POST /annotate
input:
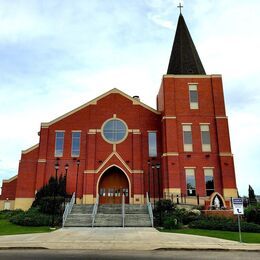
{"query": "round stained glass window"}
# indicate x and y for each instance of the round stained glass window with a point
(114, 131)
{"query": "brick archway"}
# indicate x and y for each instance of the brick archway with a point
(112, 185)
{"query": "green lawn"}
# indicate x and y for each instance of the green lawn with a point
(229, 235)
(7, 228)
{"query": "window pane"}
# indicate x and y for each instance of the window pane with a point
(75, 148)
(205, 137)
(190, 182)
(125, 191)
(193, 96)
(59, 141)
(152, 144)
(120, 126)
(209, 182)
(193, 93)
(187, 137)
(102, 192)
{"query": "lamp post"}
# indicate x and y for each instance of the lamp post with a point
(153, 166)
(159, 186)
(158, 175)
(78, 162)
(148, 162)
(66, 173)
(54, 193)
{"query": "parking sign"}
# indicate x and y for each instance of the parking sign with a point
(238, 208)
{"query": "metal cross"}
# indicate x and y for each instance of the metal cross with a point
(180, 6)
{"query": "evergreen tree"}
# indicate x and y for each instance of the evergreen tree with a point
(44, 198)
(251, 195)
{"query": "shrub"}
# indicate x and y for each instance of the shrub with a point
(7, 214)
(163, 209)
(252, 214)
(166, 214)
(185, 216)
(32, 217)
(221, 223)
(171, 223)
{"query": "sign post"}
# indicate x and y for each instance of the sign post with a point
(238, 210)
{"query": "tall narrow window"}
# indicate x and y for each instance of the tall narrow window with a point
(187, 138)
(190, 182)
(194, 100)
(209, 181)
(59, 142)
(205, 138)
(152, 144)
(75, 145)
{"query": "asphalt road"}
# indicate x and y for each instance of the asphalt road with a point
(22, 254)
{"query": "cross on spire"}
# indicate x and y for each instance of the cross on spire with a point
(180, 6)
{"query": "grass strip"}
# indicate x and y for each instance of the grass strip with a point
(7, 228)
(229, 235)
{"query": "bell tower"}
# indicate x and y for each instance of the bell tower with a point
(197, 157)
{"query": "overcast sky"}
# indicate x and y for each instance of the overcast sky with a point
(56, 55)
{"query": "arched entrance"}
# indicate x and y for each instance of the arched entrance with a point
(112, 185)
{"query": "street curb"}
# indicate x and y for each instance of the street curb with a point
(205, 249)
(156, 249)
(22, 247)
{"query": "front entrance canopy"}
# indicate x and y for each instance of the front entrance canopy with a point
(112, 185)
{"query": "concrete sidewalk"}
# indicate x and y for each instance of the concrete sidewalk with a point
(119, 239)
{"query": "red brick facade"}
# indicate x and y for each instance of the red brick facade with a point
(131, 155)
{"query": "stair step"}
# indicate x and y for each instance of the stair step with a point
(84, 209)
(109, 216)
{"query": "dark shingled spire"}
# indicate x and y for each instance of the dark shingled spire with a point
(184, 57)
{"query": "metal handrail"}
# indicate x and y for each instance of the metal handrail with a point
(123, 210)
(149, 206)
(68, 209)
(94, 212)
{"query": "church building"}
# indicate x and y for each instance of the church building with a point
(115, 144)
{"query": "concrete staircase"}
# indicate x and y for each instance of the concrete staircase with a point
(80, 216)
(109, 216)
(137, 216)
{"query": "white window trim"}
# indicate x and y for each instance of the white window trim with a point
(149, 143)
(75, 131)
(193, 87)
(205, 128)
(187, 128)
(59, 131)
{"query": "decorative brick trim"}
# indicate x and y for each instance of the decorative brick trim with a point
(41, 160)
(170, 154)
(226, 154)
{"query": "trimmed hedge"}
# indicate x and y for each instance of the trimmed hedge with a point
(32, 217)
(213, 223)
(252, 214)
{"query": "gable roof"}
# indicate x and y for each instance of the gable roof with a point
(184, 58)
(94, 102)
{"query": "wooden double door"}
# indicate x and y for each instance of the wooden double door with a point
(113, 184)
